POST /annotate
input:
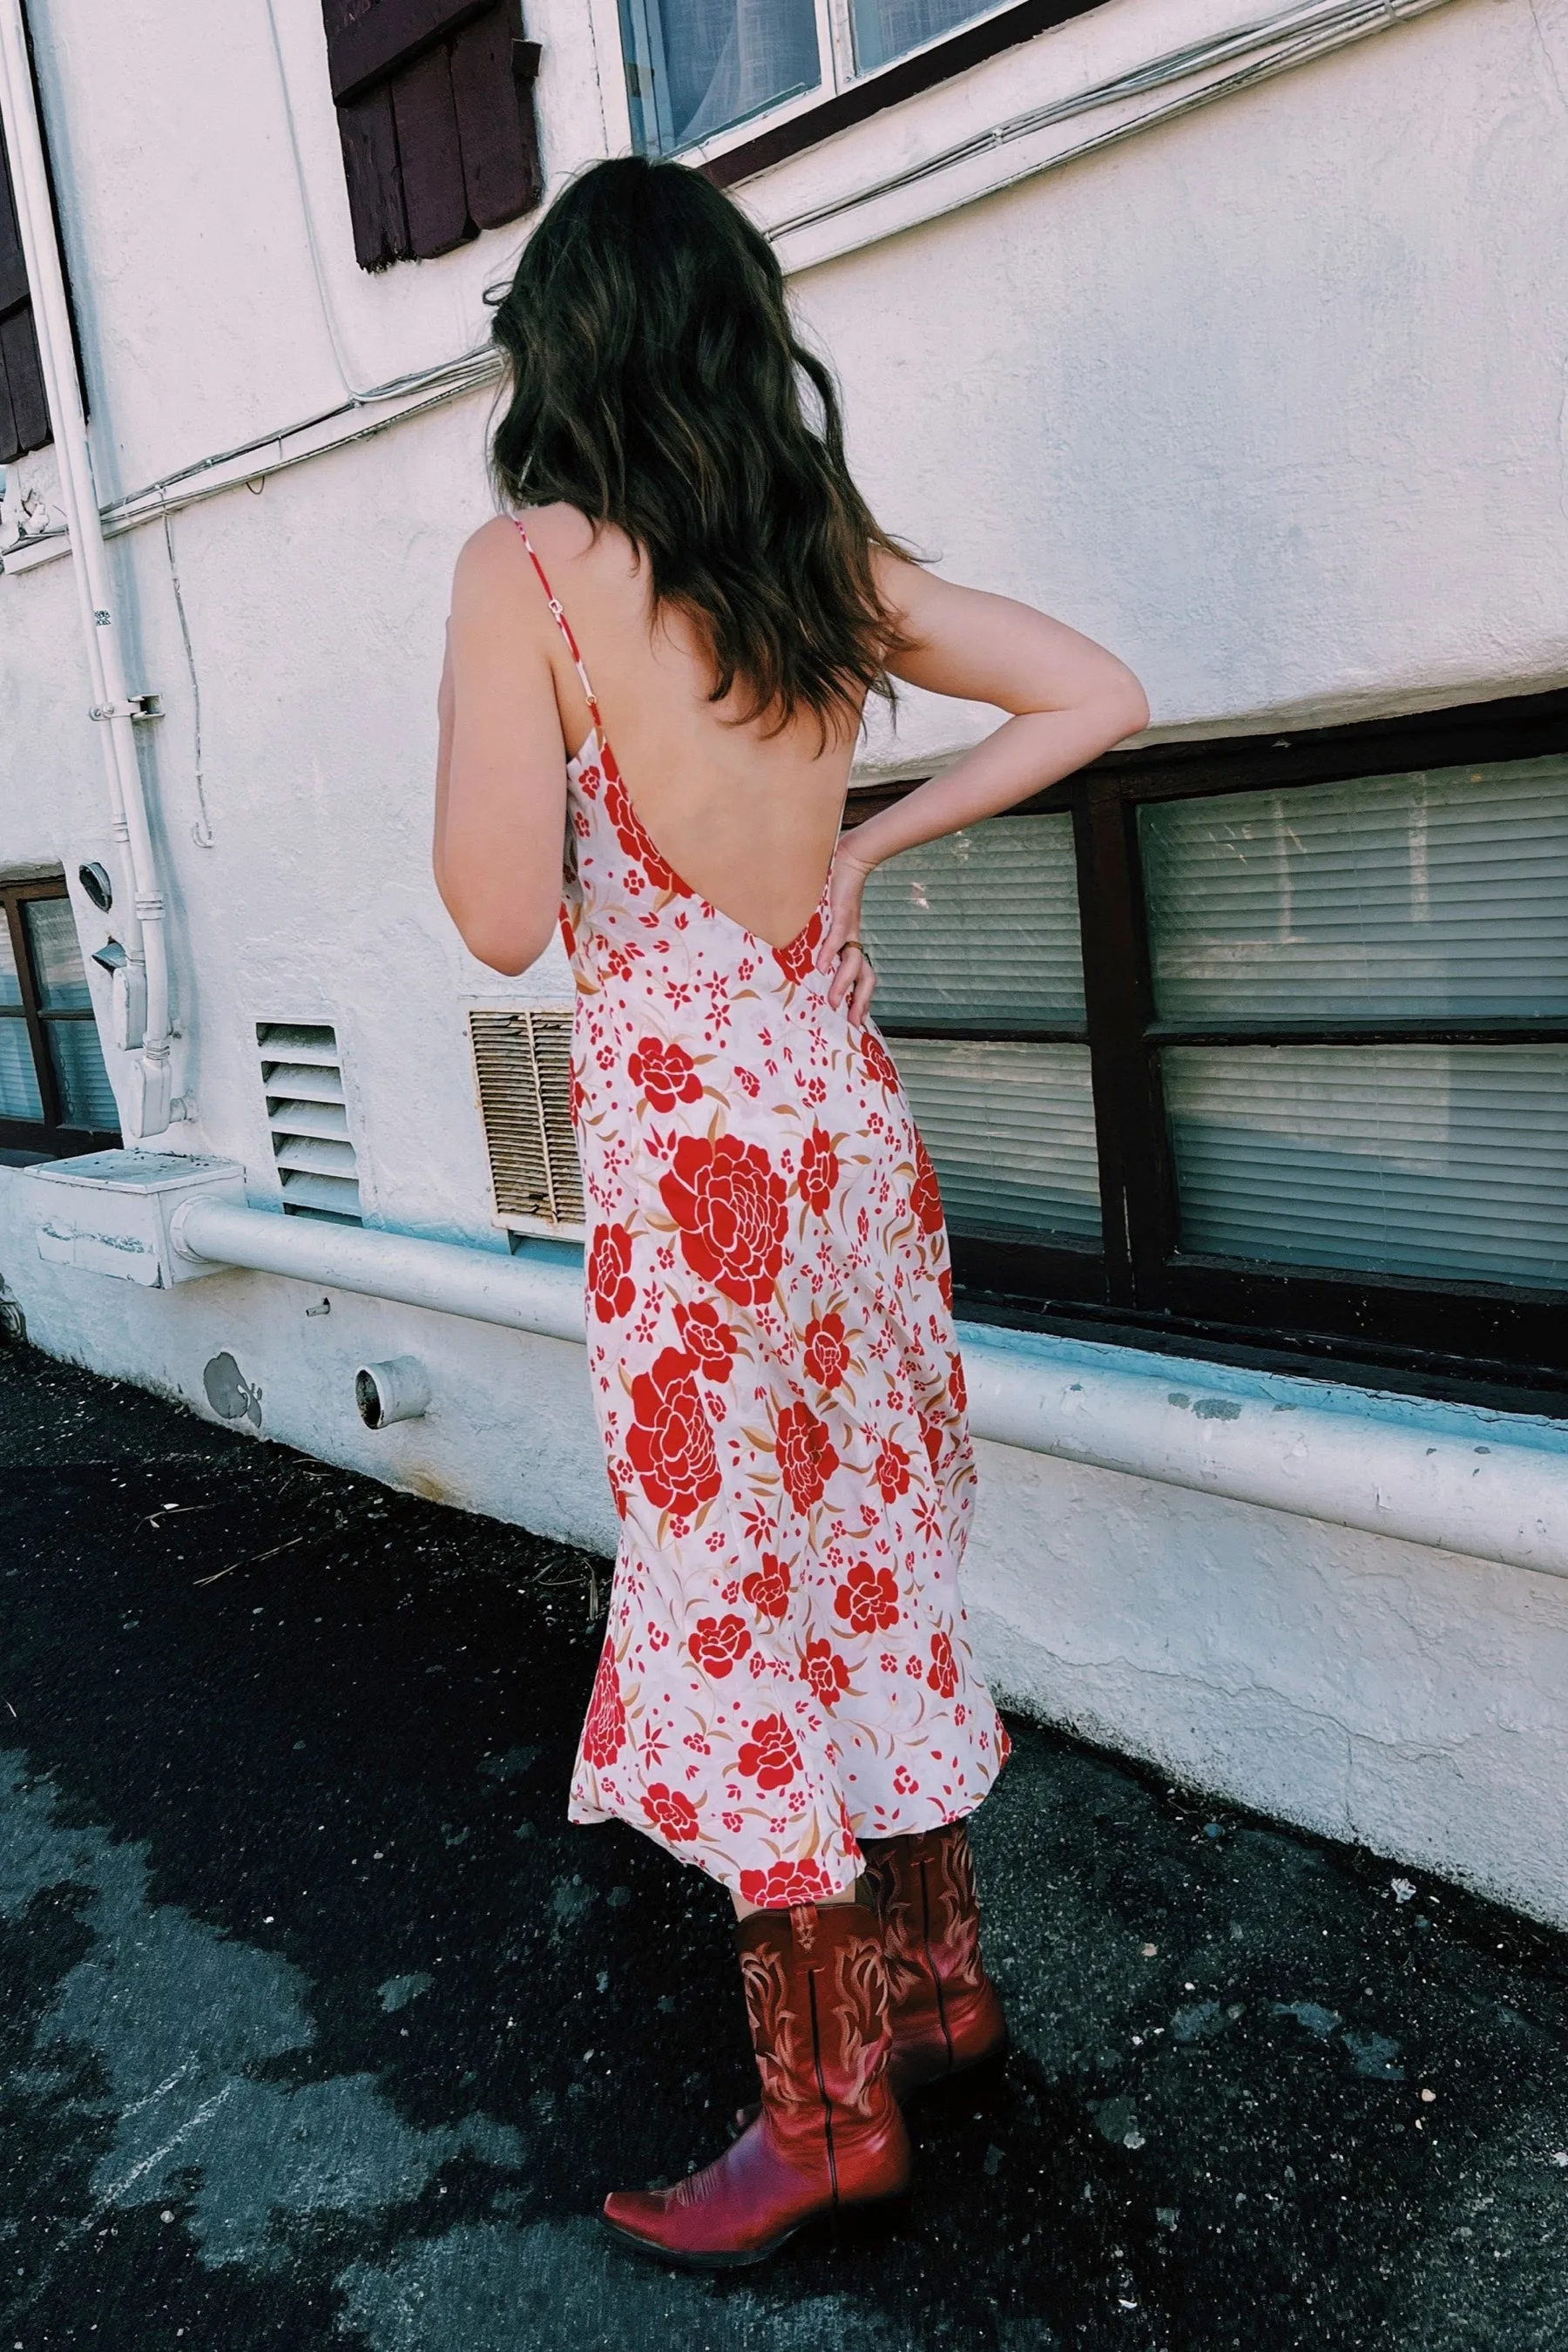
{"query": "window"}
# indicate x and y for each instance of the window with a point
(435, 102)
(24, 411)
(1262, 1042)
(54, 1095)
(698, 68)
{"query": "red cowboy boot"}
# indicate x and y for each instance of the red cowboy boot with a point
(946, 2016)
(828, 2132)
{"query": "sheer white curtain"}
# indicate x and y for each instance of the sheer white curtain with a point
(724, 59)
(884, 29)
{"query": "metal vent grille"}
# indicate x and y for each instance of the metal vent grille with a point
(522, 1060)
(304, 1082)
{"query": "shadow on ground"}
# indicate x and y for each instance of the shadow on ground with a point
(321, 2030)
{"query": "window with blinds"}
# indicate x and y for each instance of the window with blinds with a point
(980, 995)
(1261, 1042)
(54, 1095)
(1364, 970)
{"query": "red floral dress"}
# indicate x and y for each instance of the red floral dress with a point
(778, 1384)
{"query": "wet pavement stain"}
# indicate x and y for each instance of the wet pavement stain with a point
(321, 2030)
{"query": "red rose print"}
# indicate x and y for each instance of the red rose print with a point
(807, 1459)
(610, 1284)
(770, 1757)
(931, 1431)
(635, 838)
(904, 1781)
(718, 1642)
(670, 1443)
(818, 1170)
(925, 1198)
(795, 960)
(729, 1204)
(767, 1588)
(943, 1675)
(707, 1336)
(671, 1813)
(867, 1600)
(827, 1672)
(892, 1470)
(826, 1353)
(784, 1884)
(879, 1060)
(604, 1732)
(957, 1389)
(666, 1073)
(944, 1283)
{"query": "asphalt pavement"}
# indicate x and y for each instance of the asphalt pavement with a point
(321, 2030)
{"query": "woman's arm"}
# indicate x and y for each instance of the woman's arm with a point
(500, 771)
(1070, 701)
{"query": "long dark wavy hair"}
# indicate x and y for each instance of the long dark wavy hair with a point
(656, 382)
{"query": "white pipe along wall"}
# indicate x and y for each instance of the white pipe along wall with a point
(145, 1015)
(1492, 1501)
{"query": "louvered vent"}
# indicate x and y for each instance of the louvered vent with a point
(523, 1062)
(304, 1083)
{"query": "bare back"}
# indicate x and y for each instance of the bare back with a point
(749, 819)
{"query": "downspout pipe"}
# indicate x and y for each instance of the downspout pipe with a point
(1457, 1484)
(150, 1104)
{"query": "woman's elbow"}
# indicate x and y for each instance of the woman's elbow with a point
(1133, 708)
(509, 945)
(505, 950)
(1123, 699)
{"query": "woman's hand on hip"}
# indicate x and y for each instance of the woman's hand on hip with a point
(841, 952)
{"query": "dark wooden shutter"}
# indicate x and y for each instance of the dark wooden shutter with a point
(24, 411)
(435, 102)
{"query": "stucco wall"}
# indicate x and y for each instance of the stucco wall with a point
(1269, 398)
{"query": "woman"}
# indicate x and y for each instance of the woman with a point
(785, 1697)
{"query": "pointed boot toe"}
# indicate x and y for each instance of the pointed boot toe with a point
(828, 2133)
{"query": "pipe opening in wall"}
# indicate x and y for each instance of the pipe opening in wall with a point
(397, 1389)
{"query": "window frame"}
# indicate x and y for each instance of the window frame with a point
(844, 97)
(53, 1138)
(1139, 1285)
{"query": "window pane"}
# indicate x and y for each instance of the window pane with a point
(980, 930)
(1435, 1160)
(696, 66)
(86, 1098)
(56, 958)
(1011, 1131)
(886, 29)
(1429, 896)
(19, 1095)
(10, 982)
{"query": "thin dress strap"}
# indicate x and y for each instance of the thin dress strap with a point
(564, 625)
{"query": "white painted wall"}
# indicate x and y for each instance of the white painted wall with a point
(1270, 398)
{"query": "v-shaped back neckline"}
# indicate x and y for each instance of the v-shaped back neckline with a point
(600, 743)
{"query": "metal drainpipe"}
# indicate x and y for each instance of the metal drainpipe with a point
(151, 1106)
